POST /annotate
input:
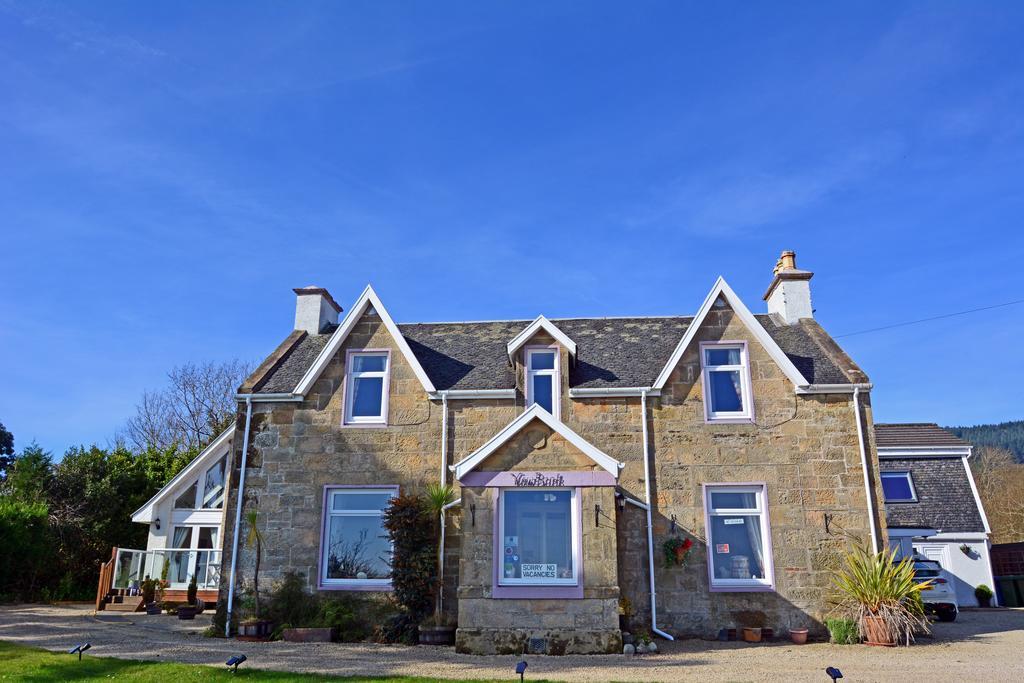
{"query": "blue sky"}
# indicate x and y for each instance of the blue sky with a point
(170, 171)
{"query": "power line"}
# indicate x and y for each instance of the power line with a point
(925, 320)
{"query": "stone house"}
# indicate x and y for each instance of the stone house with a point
(580, 447)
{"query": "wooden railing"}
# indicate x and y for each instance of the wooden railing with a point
(106, 579)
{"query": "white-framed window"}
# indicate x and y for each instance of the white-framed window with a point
(739, 537)
(538, 529)
(355, 548)
(542, 379)
(206, 492)
(898, 487)
(727, 393)
(366, 387)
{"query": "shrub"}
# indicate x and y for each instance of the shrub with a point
(876, 586)
(983, 592)
(290, 603)
(412, 531)
(192, 592)
(842, 631)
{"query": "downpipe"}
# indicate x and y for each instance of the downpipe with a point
(650, 522)
(238, 515)
(864, 466)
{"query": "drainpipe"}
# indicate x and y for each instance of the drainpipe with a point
(650, 523)
(444, 480)
(440, 566)
(238, 514)
(864, 466)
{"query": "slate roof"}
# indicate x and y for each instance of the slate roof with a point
(917, 434)
(945, 499)
(612, 352)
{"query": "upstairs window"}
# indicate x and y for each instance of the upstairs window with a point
(542, 381)
(213, 486)
(898, 487)
(726, 370)
(366, 388)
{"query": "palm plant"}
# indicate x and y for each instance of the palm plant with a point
(439, 496)
(883, 595)
(255, 538)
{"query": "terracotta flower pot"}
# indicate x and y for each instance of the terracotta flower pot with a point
(877, 633)
(798, 635)
(752, 635)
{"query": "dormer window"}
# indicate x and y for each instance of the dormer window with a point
(542, 379)
(726, 370)
(366, 387)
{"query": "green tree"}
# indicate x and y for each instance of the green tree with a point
(25, 561)
(6, 450)
(29, 474)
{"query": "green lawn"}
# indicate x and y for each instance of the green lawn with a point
(18, 663)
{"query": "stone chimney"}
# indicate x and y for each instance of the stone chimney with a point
(314, 308)
(789, 295)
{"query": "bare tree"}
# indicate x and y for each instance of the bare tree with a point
(1000, 481)
(198, 404)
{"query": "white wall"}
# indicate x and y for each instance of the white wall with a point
(966, 572)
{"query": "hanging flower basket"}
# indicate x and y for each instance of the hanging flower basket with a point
(675, 550)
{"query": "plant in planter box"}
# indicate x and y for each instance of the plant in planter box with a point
(882, 594)
(675, 550)
(984, 595)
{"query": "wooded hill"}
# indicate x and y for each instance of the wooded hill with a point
(1008, 435)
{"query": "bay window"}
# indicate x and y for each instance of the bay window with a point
(355, 549)
(726, 371)
(739, 542)
(539, 534)
(366, 387)
(542, 379)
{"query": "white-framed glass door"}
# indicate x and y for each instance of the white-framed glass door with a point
(193, 552)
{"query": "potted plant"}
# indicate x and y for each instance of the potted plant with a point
(255, 626)
(438, 630)
(842, 631)
(883, 596)
(984, 595)
(675, 550)
(798, 635)
(149, 596)
(188, 610)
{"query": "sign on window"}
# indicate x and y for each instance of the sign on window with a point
(539, 571)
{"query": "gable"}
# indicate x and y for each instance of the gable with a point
(367, 300)
(540, 324)
(535, 416)
(217, 449)
(722, 290)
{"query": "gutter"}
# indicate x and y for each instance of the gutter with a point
(864, 467)
(266, 398)
(473, 393)
(588, 392)
(650, 523)
(833, 388)
(238, 514)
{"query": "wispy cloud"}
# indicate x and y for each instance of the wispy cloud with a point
(748, 194)
(74, 30)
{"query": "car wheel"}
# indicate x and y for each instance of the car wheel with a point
(947, 615)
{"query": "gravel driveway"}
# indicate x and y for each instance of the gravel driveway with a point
(980, 645)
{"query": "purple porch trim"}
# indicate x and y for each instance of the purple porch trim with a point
(747, 396)
(563, 592)
(385, 394)
(768, 552)
(568, 479)
(321, 582)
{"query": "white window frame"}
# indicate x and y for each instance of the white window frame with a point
(200, 483)
(746, 393)
(221, 462)
(351, 376)
(574, 538)
(325, 535)
(910, 481)
(760, 491)
(555, 373)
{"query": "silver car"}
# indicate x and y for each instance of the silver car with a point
(940, 597)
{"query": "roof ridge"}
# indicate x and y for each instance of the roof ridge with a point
(527, 321)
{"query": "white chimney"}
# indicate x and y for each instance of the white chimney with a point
(314, 308)
(789, 295)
